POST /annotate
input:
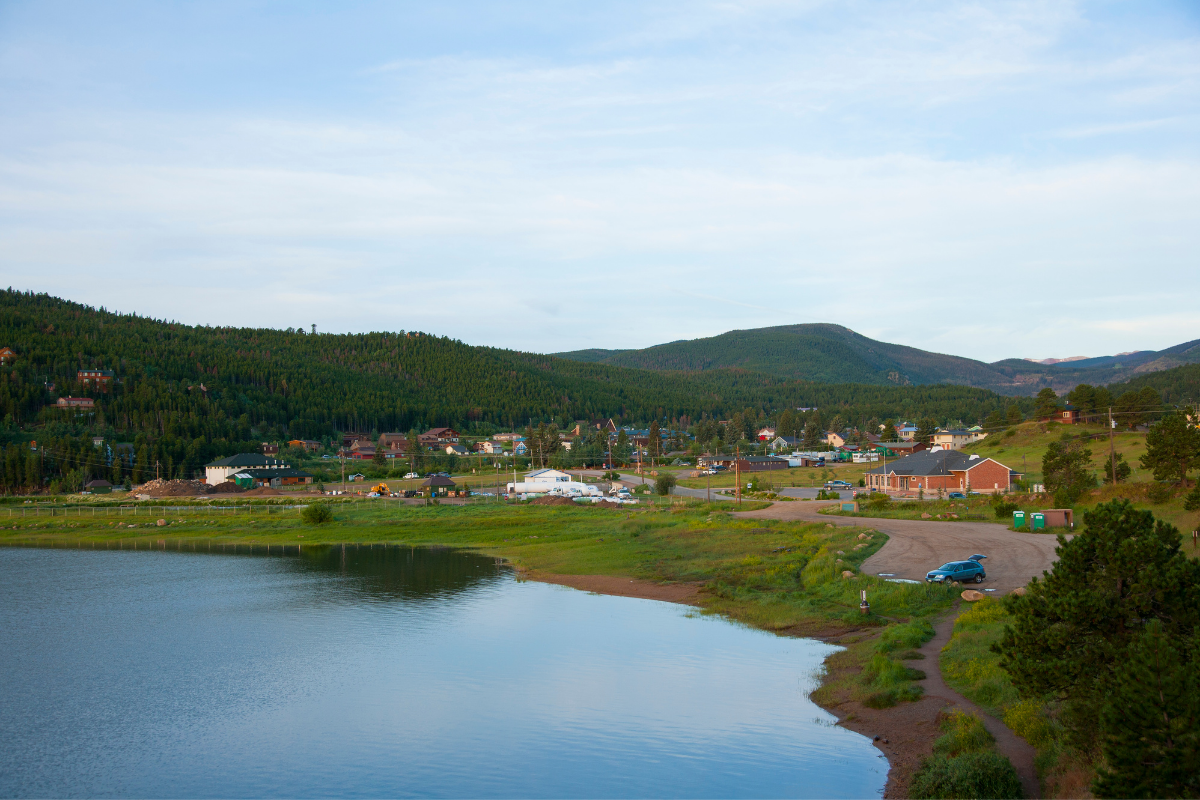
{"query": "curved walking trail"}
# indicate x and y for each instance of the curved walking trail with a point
(1008, 744)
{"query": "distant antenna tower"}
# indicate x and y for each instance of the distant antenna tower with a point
(314, 328)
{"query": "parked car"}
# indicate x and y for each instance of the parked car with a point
(408, 476)
(959, 571)
(957, 496)
(838, 485)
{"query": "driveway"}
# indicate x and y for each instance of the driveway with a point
(916, 546)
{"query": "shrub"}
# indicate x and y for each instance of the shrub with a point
(861, 483)
(986, 774)
(1192, 501)
(1028, 720)
(890, 681)
(965, 733)
(316, 513)
(879, 500)
(906, 636)
(664, 484)
(1004, 510)
(1159, 493)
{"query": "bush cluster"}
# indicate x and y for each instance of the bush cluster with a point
(316, 513)
(965, 765)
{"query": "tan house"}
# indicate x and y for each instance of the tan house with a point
(955, 439)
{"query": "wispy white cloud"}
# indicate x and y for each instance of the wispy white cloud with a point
(693, 170)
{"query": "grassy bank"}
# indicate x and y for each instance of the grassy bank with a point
(774, 575)
(977, 509)
(970, 667)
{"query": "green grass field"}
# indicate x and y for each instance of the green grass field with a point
(813, 477)
(1022, 447)
(772, 575)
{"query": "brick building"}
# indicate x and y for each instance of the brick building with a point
(944, 470)
(100, 378)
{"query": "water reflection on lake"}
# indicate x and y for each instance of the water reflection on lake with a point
(391, 671)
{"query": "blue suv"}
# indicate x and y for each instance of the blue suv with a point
(960, 571)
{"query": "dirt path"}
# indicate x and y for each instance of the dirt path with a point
(916, 546)
(1008, 744)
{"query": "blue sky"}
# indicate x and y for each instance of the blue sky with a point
(986, 179)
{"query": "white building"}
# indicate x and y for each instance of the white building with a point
(221, 470)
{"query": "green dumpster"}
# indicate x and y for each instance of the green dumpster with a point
(1039, 522)
(1018, 519)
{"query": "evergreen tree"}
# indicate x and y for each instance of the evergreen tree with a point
(1066, 470)
(1151, 719)
(1013, 415)
(655, 446)
(1047, 404)
(1172, 448)
(1072, 630)
(888, 434)
(814, 431)
(926, 428)
(788, 424)
(621, 450)
(1123, 469)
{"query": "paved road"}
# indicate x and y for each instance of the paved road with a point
(916, 546)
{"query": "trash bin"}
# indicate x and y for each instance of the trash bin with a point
(1018, 519)
(1039, 522)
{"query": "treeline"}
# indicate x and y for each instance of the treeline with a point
(188, 394)
(1179, 386)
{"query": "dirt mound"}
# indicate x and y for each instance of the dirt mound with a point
(228, 487)
(172, 488)
(607, 504)
(551, 500)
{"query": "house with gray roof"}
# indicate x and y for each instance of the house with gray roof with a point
(939, 469)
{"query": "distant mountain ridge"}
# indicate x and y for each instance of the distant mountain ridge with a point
(827, 353)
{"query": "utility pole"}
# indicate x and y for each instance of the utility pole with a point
(708, 484)
(1112, 453)
(343, 457)
(737, 472)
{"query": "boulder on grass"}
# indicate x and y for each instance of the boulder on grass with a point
(847, 573)
(970, 595)
(161, 522)
(1019, 591)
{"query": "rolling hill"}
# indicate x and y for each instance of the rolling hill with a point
(827, 353)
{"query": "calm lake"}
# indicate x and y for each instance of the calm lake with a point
(391, 672)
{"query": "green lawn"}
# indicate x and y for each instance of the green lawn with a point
(1022, 447)
(813, 477)
(773, 575)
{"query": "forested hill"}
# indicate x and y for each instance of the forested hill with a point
(257, 382)
(815, 352)
(830, 353)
